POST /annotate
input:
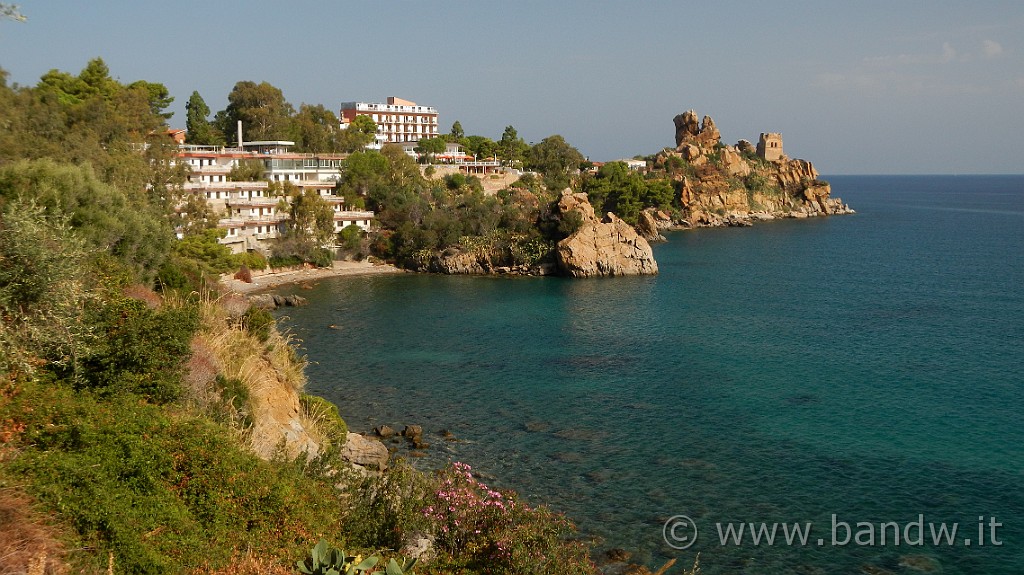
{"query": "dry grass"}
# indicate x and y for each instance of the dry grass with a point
(201, 372)
(271, 371)
(144, 294)
(27, 543)
(248, 564)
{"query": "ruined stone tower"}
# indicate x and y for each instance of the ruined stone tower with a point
(769, 147)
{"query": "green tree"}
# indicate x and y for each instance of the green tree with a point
(197, 124)
(480, 147)
(457, 133)
(157, 95)
(104, 216)
(626, 193)
(248, 170)
(360, 133)
(310, 226)
(511, 148)
(96, 79)
(402, 169)
(262, 109)
(315, 129)
(362, 171)
(554, 158)
(427, 148)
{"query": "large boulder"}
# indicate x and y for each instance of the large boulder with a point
(365, 452)
(600, 248)
(608, 248)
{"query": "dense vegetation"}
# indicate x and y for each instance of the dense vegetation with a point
(125, 378)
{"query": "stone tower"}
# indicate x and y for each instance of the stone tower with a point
(769, 147)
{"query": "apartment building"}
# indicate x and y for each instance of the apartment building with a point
(397, 120)
(251, 215)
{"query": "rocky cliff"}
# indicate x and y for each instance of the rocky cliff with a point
(730, 185)
(608, 247)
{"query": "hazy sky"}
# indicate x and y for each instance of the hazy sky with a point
(856, 87)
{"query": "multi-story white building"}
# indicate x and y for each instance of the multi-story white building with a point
(250, 214)
(397, 121)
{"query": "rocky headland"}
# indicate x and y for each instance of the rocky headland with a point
(714, 185)
(723, 185)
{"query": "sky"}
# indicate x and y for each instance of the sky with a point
(856, 87)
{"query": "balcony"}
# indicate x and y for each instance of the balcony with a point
(353, 215)
(252, 202)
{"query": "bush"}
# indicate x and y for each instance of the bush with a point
(326, 417)
(252, 260)
(258, 322)
(234, 397)
(179, 274)
(163, 493)
(206, 250)
(351, 238)
(278, 261)
(140, 350)
(494, 531)
(387, 507)
(454, 181)
(321, 258)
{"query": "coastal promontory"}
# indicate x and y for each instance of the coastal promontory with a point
(723, 185)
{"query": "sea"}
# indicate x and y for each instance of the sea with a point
(851, 385)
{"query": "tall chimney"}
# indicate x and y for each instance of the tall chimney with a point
(240, 134)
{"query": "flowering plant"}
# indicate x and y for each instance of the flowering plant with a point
(491, 529)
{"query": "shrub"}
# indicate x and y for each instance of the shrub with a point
(455, 181)
(258, 322)
(234, 396)
(569, 223)
(483, 528)
(277, 262)
(325, 416)
(251, 260)
(244, 274)
(140, 350)
(351, 238)
(179, 273)
(164, 493)
(385, 508)
(321, 258)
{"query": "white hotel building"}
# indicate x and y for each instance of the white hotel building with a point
(251, 216)
(397, 121)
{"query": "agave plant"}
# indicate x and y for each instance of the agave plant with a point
(403, 568)
(327, 560)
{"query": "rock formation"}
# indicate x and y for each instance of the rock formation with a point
(455, 261)
(600, 248)
(688, 131)
(730, 186)
(647, 226)
(365, 452)
(274, 301)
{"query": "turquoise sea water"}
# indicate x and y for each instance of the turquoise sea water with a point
(868, 366)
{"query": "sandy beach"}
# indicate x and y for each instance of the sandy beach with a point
(273, 280)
